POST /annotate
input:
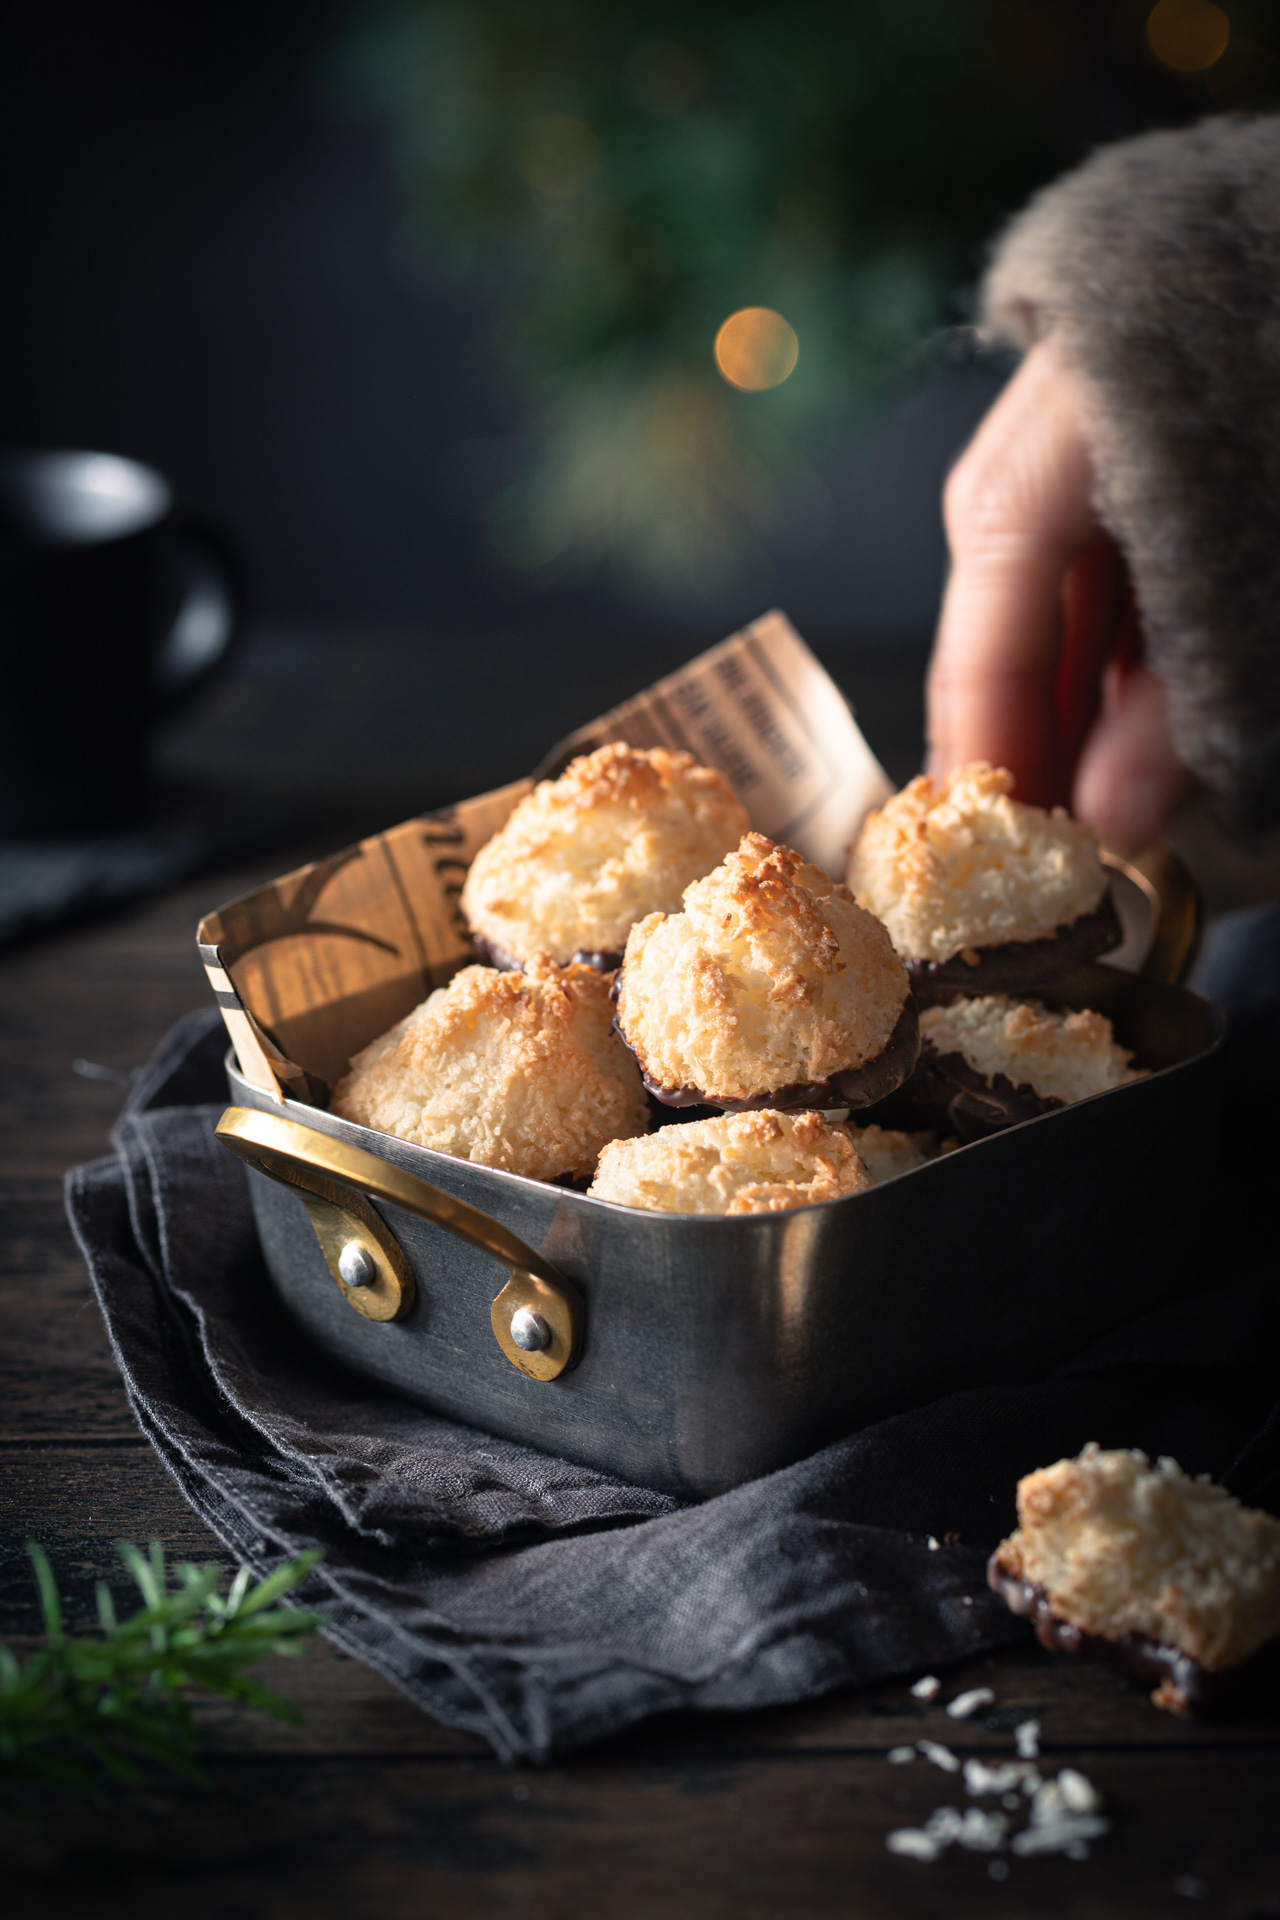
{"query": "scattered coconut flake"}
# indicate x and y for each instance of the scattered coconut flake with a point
(944, 1825)
(1048, 1804)
(913, 1842)
(935, 1546)
(1059, 1799)
(968, 1703)
(980, 1778)
(974, 1830)
(899, 1756)
(982, 1832)
(1079, 1794)
(998, 1869)
(1026, 1738)
(1002, 1777)
(1059, 1836)
(1064, 1814)
(927, 1688)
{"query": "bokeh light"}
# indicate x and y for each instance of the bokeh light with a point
(756, 349)
(1188, 35)
(559, 156)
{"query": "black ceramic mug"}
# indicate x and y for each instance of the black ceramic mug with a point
(114, 610)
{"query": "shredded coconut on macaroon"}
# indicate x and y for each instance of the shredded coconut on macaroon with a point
(620, 834)
(887, 1151)
(1062, 1056)
(771, 981)
(738, 1163)
(957, 865)
(1118, 1546)
(513, 1070)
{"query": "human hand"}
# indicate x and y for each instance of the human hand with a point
(1035, 663)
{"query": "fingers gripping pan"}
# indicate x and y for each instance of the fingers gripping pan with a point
(538, 1316)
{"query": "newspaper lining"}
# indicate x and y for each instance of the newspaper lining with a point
(311, 967)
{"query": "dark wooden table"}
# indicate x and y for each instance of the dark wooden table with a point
(369, 1811)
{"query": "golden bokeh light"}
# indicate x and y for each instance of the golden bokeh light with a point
(559, 156)
(756, 349)
(1188, 35)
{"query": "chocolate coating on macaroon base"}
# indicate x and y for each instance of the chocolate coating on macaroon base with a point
(852, 1087)
(948, 1095)
(1019, 966)
(490, 954)
(1183, 1685)
(604, 961)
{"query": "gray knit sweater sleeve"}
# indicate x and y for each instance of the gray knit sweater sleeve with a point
(1156, 265)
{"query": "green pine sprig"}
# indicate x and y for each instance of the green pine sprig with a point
(90, 1707)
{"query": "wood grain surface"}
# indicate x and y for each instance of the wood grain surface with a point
(368, 1810)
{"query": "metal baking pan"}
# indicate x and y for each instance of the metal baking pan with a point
(686, 1353)
(692, 1354)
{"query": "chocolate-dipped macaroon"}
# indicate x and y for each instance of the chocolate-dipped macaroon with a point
(981, 893)
(1165, 1576)
(988, 1063)
(736, 1164)
(514, 1070)
(620, 834)
(772, 988)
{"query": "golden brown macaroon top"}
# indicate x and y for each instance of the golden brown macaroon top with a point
(620, 834)
(1118, 1546)
(1064, 1055)
(771, 977)
(762, 1162)
(513, 1070)
(957, 864)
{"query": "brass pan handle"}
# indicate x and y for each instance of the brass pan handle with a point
(537, 1318)
(1177, 911)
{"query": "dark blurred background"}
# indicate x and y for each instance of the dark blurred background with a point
(239, 246)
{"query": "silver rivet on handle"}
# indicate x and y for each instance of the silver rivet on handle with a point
(529, 1330)
(357, 1265)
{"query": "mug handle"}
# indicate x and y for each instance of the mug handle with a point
(208, 626)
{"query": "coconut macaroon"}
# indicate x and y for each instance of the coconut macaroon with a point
(620, 834)
(1167, 1575)
(514, 1070)
(988, 1063)
(761, 1162)
(887, 1151)
(980, 892)
(771, 989)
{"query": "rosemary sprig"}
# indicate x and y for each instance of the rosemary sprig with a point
(90, 1705)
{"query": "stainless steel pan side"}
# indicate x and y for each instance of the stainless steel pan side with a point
(715, 1350)
(536, 1318)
